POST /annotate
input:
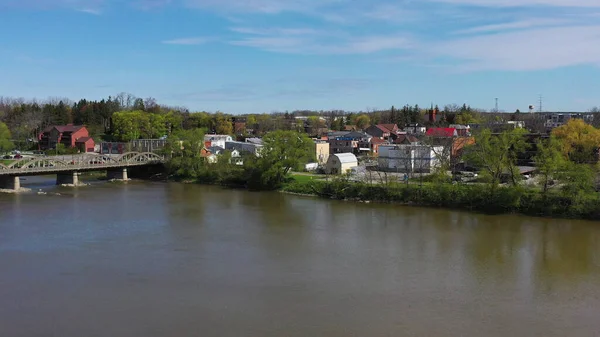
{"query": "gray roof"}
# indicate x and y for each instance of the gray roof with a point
(345, 158)
(334, 134)
(215, 149)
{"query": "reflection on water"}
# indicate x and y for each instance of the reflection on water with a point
(158, 259)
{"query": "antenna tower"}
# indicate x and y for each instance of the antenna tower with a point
(541, 105)
(496, 104)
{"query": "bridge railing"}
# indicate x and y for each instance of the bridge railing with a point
(79, 162)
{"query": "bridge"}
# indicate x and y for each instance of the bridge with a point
(68, 167)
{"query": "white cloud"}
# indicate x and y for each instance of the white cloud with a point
(524, 3)
(274, 31)
(536, 49)
(523, 24)
(188, 41)
(260, 6)
(90, 11)
(309, 41)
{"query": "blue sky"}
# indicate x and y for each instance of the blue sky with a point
(273, 55)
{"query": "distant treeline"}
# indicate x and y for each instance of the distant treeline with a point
(124, 117)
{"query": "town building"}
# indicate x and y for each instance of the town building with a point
(217, 140)
(68, 135)
(415, 129)
(409, 158)
(254, 140)
(406, 139)
(137, 145)
(371, 145)
(383, 131)
(556, 119)
(85, 144)
(321, 151)
(242, 147)
(341, 163)
(461, 130)
(348, 142)
(442, 132)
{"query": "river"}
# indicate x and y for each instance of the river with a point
(156, 259)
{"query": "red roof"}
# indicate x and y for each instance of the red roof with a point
(377, 141)
(387, 127)
(441, 132)
(64, 128)
(402, 138)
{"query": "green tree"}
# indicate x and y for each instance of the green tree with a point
(5, 138)
(496, 155)
(158, 126)
(251, 121)
(127, 125)
(223, 124)
(577, 179)
(185, 149)
(138, 104)
(466, 117)
(579, 141)
(362, 121)
(282, 151)
(549, 161)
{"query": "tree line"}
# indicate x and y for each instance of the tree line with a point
(125, 117)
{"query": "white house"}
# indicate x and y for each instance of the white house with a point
(340, 163)
(217, 140)
(409, 158)
(415, 129)
(236, 158)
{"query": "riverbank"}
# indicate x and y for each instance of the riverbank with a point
(476, 198)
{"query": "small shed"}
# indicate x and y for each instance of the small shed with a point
(85, 144)
(340, 163)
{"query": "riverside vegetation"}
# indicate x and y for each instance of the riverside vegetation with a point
(565, 184)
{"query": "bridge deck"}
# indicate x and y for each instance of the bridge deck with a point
(85, 162)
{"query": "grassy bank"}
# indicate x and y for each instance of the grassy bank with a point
(479, 198)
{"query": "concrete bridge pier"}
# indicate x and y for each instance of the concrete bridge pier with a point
(68, 178)
(10, 183)
(117, 174)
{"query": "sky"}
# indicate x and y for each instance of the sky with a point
(254, 56)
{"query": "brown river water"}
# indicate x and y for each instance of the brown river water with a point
(155, 259)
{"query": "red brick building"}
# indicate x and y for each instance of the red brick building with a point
(69, 135)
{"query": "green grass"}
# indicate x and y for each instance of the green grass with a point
(303, 178)
(6, 161)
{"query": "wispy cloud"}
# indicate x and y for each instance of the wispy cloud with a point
(87, 6)
(523, 24)
(311, 41)
(524, 3)
(188, 41)
(90, 11)
(260, 6)
(274, 31)
(535, 49)
(490, 34)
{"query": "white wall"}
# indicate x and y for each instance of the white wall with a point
(409, 158)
